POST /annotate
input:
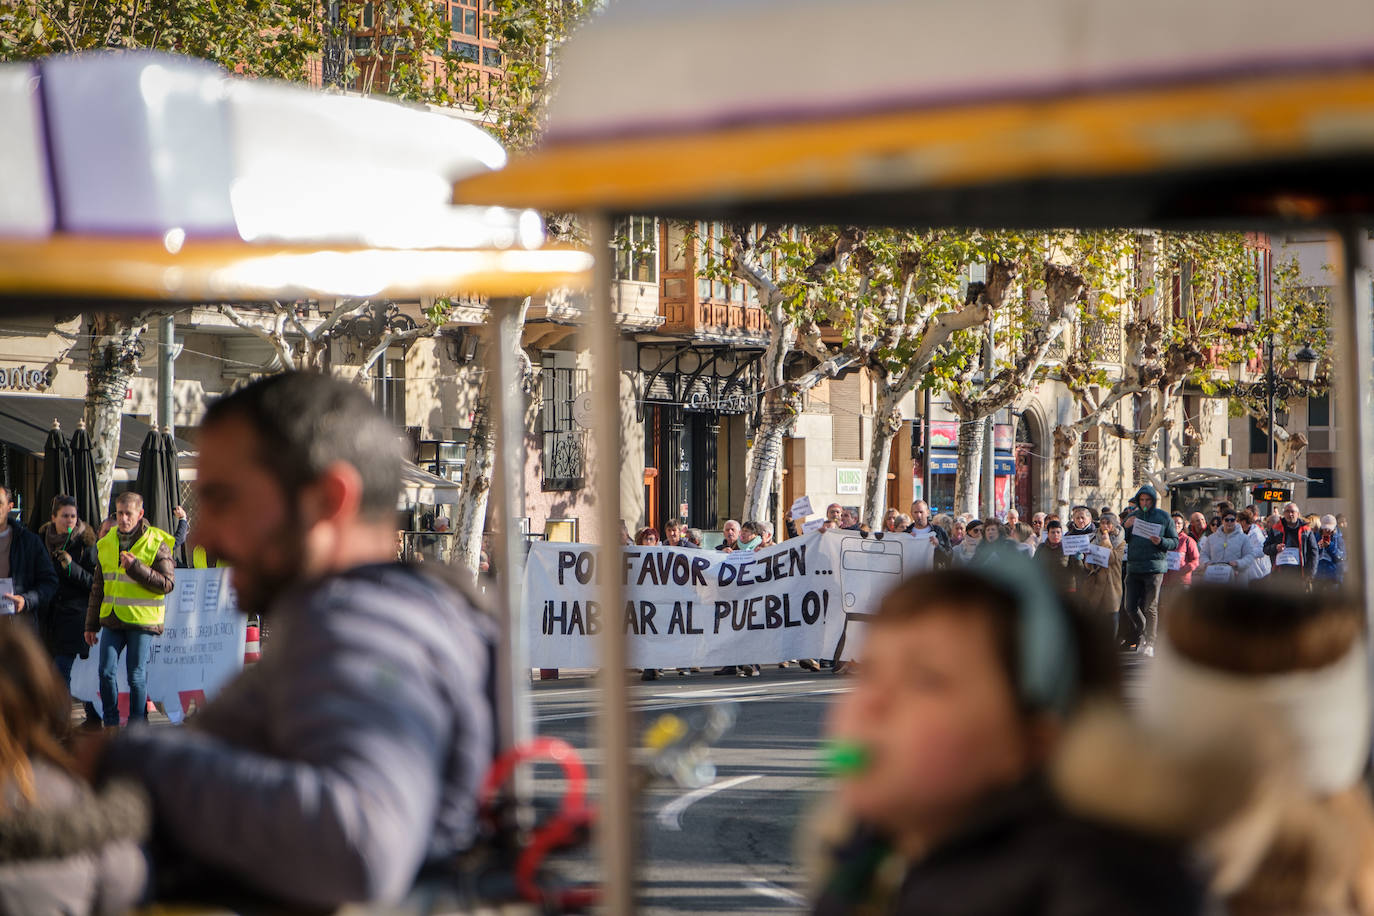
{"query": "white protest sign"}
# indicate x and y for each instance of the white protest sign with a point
(687, 608)
(1174, 560)
(1217, 572)
(801, 507)
(1098, 556)
(6, 604)
(1146, 529)
(1290, 557)
(200, 649)
(813, 525)
(1076, 543)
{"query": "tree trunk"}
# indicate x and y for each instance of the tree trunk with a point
(116, 347)
(887, 421)
(970, 470)
(1143, 458)
(1065, 438)
(764, 461)
(478, 465)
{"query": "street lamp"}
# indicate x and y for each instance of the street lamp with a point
(1307, 359)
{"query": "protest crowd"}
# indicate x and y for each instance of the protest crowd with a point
(984, 754)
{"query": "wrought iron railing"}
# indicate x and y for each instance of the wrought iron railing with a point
(1089, 455)
(565, 459)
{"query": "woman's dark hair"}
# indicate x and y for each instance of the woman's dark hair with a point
(62, 500)
(1267, 630)
(35, 710)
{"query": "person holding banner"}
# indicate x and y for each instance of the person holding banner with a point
(134, 573)
(1292, 546)
(351, 755)
(1100, 587)
(1189, 554)
(1229, 553)
(1150, 538)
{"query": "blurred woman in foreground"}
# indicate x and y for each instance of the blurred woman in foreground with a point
(946, 744)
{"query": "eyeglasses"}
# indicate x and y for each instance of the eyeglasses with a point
(1229, 519)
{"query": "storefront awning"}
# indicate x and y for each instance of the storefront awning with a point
(420, 486)
(25, 420)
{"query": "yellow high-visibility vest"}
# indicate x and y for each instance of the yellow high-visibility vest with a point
(201, 560)
(126, 599)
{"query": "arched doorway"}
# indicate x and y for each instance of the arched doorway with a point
(1029, 465)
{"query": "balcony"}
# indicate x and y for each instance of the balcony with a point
(1089, 463)
(702, 309)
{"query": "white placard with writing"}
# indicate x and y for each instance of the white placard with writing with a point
(1218, 573)
(1174, 560)
(6, 604)
(1290, 557)
(813, 525)
(200, 649)
(801, 507)
(687, 608)
(1146, 529)
(1076, 543)
(1098, 556)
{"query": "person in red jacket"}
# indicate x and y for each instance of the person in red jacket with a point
(1188, 556)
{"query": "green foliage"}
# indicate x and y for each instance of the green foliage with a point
(273, 38)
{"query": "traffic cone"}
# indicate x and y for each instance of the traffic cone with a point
(252, 648)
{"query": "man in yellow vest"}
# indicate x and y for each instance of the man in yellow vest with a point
(128, 604)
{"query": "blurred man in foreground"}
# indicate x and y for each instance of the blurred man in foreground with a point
(350, 756)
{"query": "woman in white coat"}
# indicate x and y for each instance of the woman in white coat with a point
(1255, 531)
(1227, 555)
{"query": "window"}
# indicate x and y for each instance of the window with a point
(564, 452)
(1319, 410)
(389, 389)
(465, 21)
(465, 50)
(360, 44)
(1259, 441)
(846, 422)
(365, 20)
(1323, 484)
(491, 57)
(637, 254)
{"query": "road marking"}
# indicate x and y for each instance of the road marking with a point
(670, 817)
(776, 891)
(654, 707)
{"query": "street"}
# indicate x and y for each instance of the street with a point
(731, 847)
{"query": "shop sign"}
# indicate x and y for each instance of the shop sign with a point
(849, 481)
(25, 379)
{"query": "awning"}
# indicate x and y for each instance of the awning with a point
(25, 420)
(1175, 477)
(420, 486)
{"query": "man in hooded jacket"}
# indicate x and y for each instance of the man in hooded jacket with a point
(1146, 563)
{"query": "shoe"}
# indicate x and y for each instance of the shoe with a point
(808, 664)
(727, 671)
(783, 664)
(756, 672)
(744, 671)
(1147, 650)
(650, 674)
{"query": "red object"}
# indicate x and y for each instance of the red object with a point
(573, 815)
(252, 647)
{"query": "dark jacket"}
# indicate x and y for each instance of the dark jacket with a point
(343, 761)
(64, 619)
(1299, 536)
(31, 569)
(160, 577)
(1142, 554)
(1022, 853)
(1331, 557)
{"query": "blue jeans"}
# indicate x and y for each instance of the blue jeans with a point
(139, 646)
(64, 668)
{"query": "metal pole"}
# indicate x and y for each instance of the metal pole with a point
(926, 480)
(166, 404)
(615, 838)
(1273, 458)
(513, 670)
(1353, 337)
(989, 461)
